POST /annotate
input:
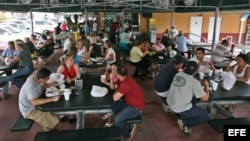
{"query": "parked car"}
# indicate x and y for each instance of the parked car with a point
(41, 25)
(9, 33)
(20, 26)
(3, 45)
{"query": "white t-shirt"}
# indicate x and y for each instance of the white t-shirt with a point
(110, 51)
(202, 68)
(181, 92)
(67, 44)
(82, 51)
(241, 74)
(219, 53)
(95, 26)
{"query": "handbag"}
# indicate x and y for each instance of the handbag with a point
(228, 80)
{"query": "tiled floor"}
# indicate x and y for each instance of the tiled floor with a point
(157, 124)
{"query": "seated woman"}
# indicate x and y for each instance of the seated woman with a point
(137, 58)
(84, 52)
(92, 38)
(146, 46)
(158, 46)
(109, 54)
(71, 71)
(45, 48)
(124, 41)
(113, 82)
(241, 69)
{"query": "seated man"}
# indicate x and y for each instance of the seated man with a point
(166, 75)
(9, 52)
(132, 104)
(180, 98)
(29, 97)
(204, 63)
(26, 67)
(181, 43)
(221, 51)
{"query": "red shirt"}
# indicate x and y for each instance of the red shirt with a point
(132, 93)
(71, 73)
(63, 27)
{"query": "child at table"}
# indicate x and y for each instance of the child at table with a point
(113, 82)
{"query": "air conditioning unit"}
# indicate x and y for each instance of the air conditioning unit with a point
(189, 2)
(26, 1)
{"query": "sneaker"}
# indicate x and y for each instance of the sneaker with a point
(184, 128)
(180, 124)
(6, 96)
(132, 133)
(133, 129)
(231, 108)
(107, 125)
(72, 119)
(187, 131)
(107, 115)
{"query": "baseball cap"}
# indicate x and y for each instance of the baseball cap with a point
(190, 67)
(178, 59)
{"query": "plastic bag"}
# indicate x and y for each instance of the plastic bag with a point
(228, 80)
(98, 91)
(56, 77)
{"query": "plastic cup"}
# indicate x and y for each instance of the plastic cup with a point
(201, 75)
(103, 76)
(66, 95)
(62, 86)
(210, 73)
(214, 86)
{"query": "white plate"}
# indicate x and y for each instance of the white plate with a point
(93, 59)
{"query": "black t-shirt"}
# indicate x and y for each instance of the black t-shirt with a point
(165, 77)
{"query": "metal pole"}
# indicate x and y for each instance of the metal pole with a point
(31, 21)
(215, 27)
(85, 19)
(123, 20)
(172, 19)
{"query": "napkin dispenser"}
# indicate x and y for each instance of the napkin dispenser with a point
(78, 85)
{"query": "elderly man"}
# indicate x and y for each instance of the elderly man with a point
(9, 52)
(26, 67)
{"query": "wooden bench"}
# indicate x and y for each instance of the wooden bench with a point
(90, 134)
(21, 124)
(218, 124)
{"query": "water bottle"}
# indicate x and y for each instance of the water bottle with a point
(78, 85)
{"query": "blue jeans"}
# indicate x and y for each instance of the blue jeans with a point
(194, 116)
(20, 72)
(122, 112)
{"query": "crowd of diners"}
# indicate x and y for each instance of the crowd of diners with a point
(175, 82)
